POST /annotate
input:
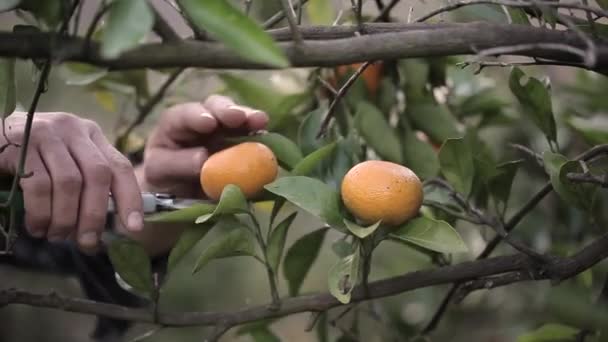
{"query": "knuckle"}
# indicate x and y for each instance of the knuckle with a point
(99, 172)
(42, 128)
(94, 219)
(91, 125)
(120, 162)
(64, 118)
(37, 185)
(70, 182)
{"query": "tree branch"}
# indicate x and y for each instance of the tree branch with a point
(558, 269)
(331, 46)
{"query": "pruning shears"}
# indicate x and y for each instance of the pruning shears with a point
(153, 202)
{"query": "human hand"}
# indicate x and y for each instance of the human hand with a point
(73, 170)
(186, 135)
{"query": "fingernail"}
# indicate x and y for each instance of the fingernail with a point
(135, 222)
(88, 239)
(207, 115)
(237, 107)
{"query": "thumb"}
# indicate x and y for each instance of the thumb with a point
(164, 167)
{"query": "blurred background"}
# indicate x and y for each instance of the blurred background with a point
(498, 315)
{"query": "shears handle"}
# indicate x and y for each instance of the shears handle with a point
(149, 200)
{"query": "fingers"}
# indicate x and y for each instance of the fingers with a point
(125, 189)
(170, 166)
(232, 115)
(37, 191)
(97, 177)
(66, 185)
(186, 122)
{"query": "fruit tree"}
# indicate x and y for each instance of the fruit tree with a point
(431, 171)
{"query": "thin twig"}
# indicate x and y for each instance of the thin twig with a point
(588, 178)
(509, 226)
(163, 29)
(327, 86)
(341, 93)
(147, 334)
(476, 216)
(40, 89)
(385, 12)
(537, 157)
(358, 9)
(217, 333)
(277, 17)
(248, 4)
(511, 49)
(146, 109)
(104, 8)
(511, 3)
(292, 21)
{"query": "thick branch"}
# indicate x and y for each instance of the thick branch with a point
(467, 271)
(395, 42)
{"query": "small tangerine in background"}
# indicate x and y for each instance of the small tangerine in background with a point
(248, 165)
(372, 75)
(377, 190)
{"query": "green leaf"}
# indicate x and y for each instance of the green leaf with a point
(535, 100)
(132, 263)
(320, 12)
(376, 131)
(8, 94)
(603, 4)
(81, 74)
(307, 132)
(186, 215)
(518, 16)
(500, 184)
(344, 275)
(434, 120)
(286, 151)
(232, 201)
(456, 160)
(342, 248)
(594, 129)
(579, 195)
(312, 195)
(276, 242)
(6, 5)
(359, 231)
(486, 102)
(551, 332)
(276, 208)
(235, 29)
(420, 156)
(237, 242)
(263, 335)
(431, 234)
(300, 257)
(307, 165)
(129, 21)
(187, 240)
(50, 12)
